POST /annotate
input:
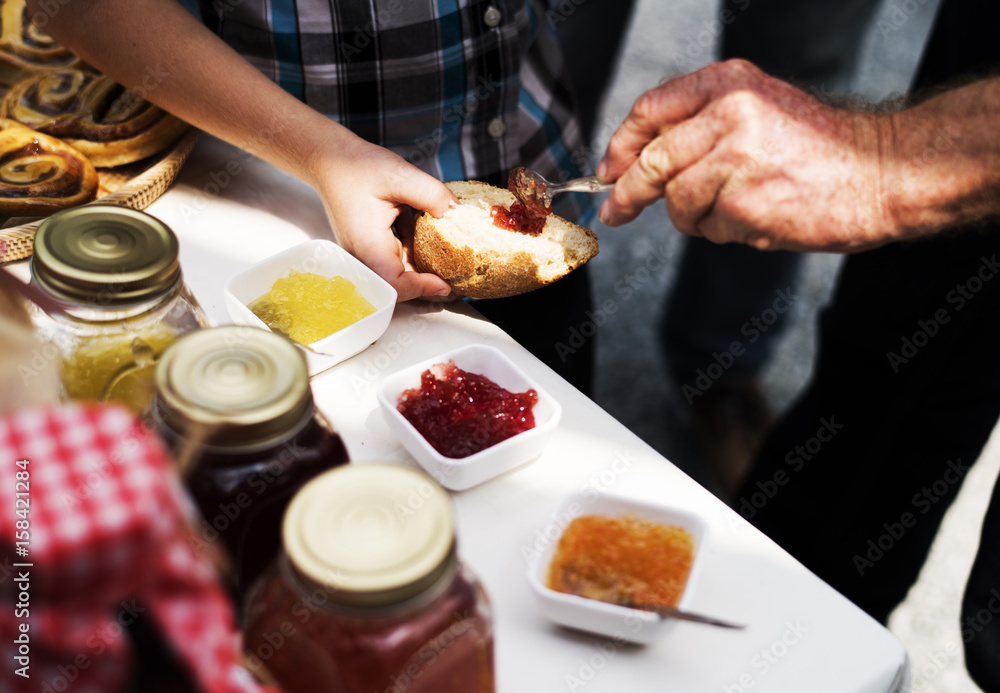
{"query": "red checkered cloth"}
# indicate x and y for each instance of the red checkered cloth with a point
(107, 540)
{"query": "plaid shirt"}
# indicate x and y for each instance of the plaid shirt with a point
(463, 89)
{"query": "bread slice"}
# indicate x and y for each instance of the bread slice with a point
(481, 260)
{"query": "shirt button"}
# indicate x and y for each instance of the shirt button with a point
(496, 128)
(492, 16)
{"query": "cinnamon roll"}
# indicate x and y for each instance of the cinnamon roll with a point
(25, 49)
(108, 123)
(39, 174)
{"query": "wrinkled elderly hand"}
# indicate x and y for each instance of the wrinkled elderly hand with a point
(742, 157)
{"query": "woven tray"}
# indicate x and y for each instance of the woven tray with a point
(134, 185)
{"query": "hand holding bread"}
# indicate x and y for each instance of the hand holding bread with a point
(368, 192)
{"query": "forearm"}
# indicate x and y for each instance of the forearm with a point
(944, 165)
(159, 50)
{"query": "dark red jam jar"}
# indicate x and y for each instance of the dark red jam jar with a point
(369, 595)
(235, 407)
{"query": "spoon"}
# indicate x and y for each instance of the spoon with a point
(144, 361)
(672, 612)
(535, 192)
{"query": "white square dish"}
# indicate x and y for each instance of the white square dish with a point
(617, 622)
(462, 473)
(326, 259)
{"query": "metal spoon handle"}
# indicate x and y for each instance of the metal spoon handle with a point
(671, 612)
(587, 184)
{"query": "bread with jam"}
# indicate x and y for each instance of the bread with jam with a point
(480, 259)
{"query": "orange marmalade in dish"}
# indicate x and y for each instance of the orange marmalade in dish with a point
(622, 560)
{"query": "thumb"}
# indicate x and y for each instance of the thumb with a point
(411, 186)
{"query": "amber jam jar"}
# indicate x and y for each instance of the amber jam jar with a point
(235, 407)
(368, 595)
(115, 273)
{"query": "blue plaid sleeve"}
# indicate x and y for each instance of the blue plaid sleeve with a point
(462, 89)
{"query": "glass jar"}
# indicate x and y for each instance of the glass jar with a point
(368, 594)
(115, 273)
(235, 407)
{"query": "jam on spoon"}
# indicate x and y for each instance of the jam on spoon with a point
(528, 213)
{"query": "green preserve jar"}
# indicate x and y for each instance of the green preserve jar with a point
(115, 272)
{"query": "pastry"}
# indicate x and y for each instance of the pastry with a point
(39, 174)
(25, 49)
(480, 259)
(108, 123)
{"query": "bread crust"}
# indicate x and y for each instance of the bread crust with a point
(480, 270)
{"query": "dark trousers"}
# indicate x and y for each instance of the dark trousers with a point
(855, 480)
(554, 323)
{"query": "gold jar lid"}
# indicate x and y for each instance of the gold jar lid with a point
(371, 534)
(236, 386)
(112, 254)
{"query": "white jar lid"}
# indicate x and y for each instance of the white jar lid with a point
(371, 534)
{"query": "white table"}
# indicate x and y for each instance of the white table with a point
(231, 211)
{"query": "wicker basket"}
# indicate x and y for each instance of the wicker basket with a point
(134, 185)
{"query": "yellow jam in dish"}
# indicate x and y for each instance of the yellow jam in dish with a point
(622, 560)
(308, 307)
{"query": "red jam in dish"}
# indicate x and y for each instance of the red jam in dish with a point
(517, 218)
(461, 413)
